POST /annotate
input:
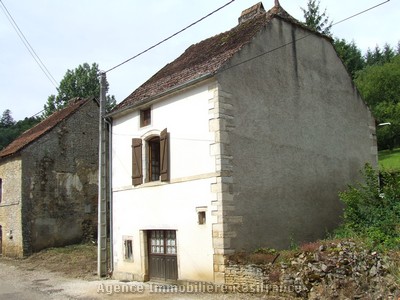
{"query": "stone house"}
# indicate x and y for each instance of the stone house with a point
(244, 141)
(48, 182)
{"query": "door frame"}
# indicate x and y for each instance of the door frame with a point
(149, 255)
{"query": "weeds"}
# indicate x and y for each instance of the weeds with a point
(373, 211)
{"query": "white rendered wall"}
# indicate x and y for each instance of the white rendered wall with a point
(170, 205)
(186, 118)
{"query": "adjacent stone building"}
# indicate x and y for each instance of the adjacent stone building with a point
(48, 182)
(242, 142)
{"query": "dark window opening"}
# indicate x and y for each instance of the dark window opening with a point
(154, 159)
(145, 117)
(128, 253)
(202, 217)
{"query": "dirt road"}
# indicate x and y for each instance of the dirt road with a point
(19, 283)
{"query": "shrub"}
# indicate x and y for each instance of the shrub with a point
(373, 211)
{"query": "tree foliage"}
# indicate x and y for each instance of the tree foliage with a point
(379, 85)
(6, 119)
(316, 20)
(350, 55)
(373, 211)
(378, 56)
(388, 136)
(81, 82)
(380, 82)
(10, 130)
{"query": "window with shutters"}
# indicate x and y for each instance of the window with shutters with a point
(150, 159)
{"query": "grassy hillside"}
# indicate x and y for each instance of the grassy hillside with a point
(389, 160)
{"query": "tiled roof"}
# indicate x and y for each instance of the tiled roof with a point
(43, 127)
(204, 58)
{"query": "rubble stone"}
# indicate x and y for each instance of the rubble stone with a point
(344, 270)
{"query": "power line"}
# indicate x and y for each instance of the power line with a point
(171, 36)
(300, 38)
(28, 46)
(242, 62)
(364, 11)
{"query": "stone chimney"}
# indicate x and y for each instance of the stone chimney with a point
(252, 12)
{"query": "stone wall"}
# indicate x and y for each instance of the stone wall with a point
(10, 207)
(220, 124)
(334, 270)
(60, 172)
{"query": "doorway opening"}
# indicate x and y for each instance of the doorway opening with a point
(162, 250)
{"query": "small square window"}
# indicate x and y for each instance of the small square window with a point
(128, 250)
(145, 117)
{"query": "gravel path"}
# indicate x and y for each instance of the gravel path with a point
(19, 283)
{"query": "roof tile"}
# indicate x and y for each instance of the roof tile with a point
(206, 57)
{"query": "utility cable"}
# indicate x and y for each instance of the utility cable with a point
(28, 46)
(242, 62)
(166, 39)
(364, 11)
(300, 38)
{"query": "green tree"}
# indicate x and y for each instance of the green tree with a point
(10, 130)
(316, 20)
(378, 56)
(380, 83)
(350, 55)
(388, 136)
(379, 86)
(388, 53)
(80, 82)
(6, 119)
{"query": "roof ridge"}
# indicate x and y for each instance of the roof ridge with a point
(206, 57)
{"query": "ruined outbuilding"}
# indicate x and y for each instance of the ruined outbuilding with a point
(49, 182)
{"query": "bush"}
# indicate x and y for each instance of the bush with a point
(372, 209)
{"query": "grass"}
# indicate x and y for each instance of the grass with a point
(389, 160)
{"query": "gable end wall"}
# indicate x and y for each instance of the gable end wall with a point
(60, 188)
(300, 133)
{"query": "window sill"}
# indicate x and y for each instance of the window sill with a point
(9, 204)
(143, 185)
(152, 183)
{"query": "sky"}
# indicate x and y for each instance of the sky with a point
(67, 33)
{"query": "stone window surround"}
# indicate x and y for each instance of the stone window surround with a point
(125, 240)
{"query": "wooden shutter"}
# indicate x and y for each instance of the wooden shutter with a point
(164, 155)
(137, 171)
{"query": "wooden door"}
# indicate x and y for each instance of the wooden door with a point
(163, 263)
